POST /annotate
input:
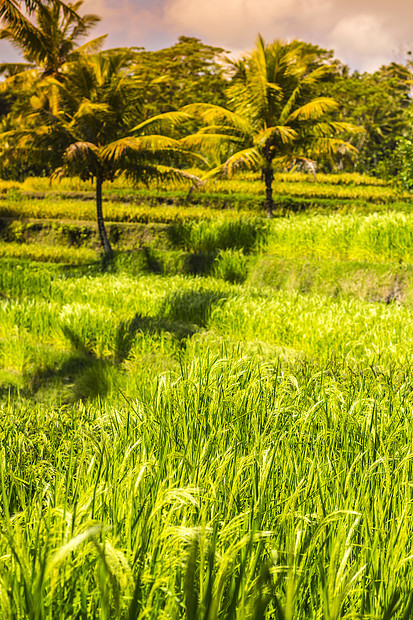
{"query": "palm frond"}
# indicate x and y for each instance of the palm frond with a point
(90, 108)
(80, 150)
(143, 146)
(210, 143)
(168, 119)
(88, 48)
(120, 148)
(157, 142)
(249, 159)
(314, 109)
(327, 146)
(12, 17)
(262, 86)
(216, 115)
(26, 38)
(331, 128)
(319, 73)
(281, 134)
(343, 127)
(290, 104)
(14, 68)
(146, 171)
(81, 159)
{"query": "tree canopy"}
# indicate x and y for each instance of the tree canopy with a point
(276, 118)
(48, 38)
(187, 72)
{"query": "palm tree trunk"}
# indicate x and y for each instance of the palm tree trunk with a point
(268, 179)
(107, 248)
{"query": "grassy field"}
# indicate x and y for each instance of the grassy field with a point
(232, 445)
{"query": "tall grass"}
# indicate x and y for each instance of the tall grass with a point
(209, 237)
(59, 312)
(379, 237)
(234, 489)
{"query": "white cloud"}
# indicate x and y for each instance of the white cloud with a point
(127, 23)
(236, 22)
(363, 41)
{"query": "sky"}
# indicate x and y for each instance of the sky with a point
(364, 33)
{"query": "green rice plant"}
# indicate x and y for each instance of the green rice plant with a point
(185, 447)
(340, 178)
(192, 306)
(375, 237)
(318, 327)
(370, 281)
(209, 237)
(238, 488)
(231, 265)
(19, 277)
(114, 211)
(305, 187)
(93, 306)
(39, 252)
(244, 191)
(45, 184)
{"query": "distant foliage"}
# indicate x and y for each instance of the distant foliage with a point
(184, 73)
(404, 154)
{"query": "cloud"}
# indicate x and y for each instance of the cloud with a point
(363, 33)
(236, 22)
(128, 22)
(363, 41)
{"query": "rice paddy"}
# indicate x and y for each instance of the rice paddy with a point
(231, 440)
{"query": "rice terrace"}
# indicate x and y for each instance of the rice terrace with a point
(206, 330)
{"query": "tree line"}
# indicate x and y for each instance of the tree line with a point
(71, 108)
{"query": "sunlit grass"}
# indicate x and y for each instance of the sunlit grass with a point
(380, 237)
(56, 209)
(187, 447)
(47, 253)
(230, 484)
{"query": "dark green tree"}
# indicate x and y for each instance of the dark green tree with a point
(187, 72)
(377, 102)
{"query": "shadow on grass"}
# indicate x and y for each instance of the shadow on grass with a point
(83, 375)
(182, 314)
(193, 307)
(76, 377)
(127, 330)
(80, 375)
(146, 260)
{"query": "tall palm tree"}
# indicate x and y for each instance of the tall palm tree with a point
(275, 116)
(93, 129)
(49, 40)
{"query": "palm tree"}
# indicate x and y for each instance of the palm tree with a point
(276, 117)
(92, 129)
(8, 6)
(51, 39)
